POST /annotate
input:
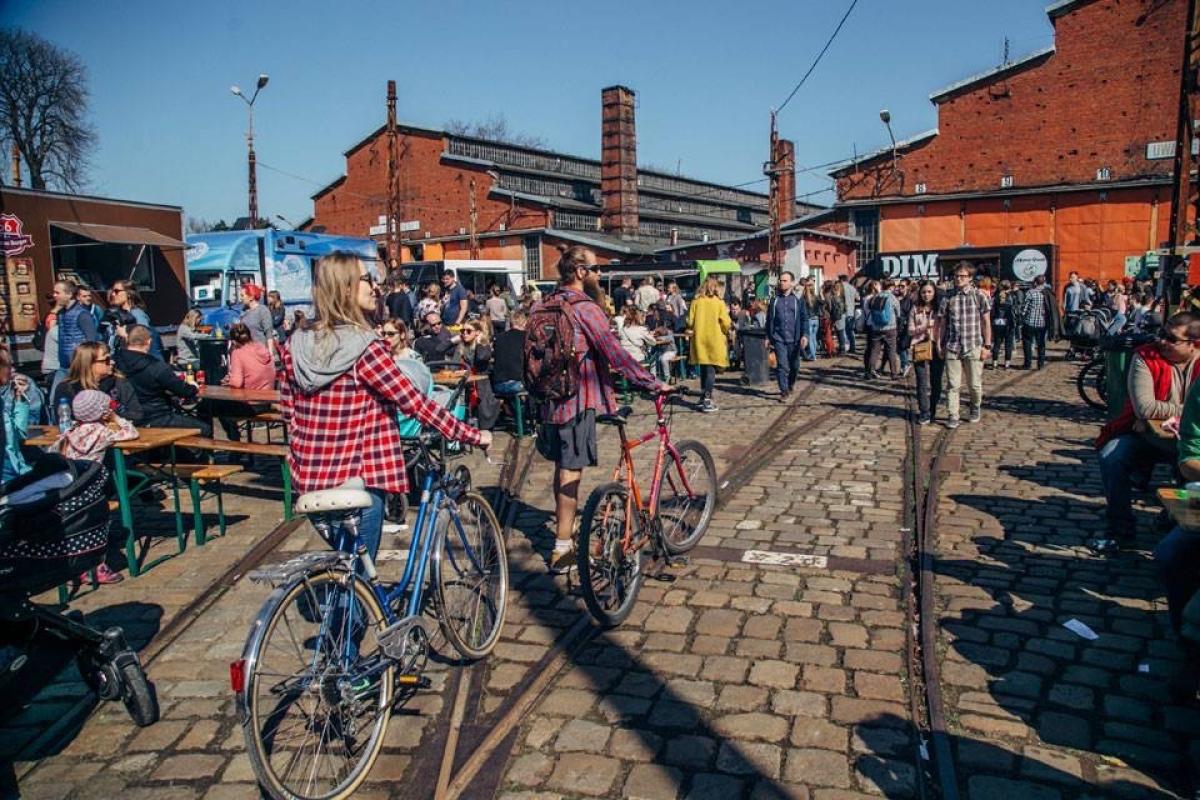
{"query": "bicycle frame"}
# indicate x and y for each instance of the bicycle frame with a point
(625, 467)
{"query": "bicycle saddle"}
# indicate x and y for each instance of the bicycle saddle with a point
(619, 418)
(350, 496)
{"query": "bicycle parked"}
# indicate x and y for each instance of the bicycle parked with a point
(317, 680)
(623, 531)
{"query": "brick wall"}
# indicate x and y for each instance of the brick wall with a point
(1110, 87)
(437, 194)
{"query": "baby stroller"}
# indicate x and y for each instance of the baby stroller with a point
(54, 524)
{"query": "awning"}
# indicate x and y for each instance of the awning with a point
(720, 266)
(118, 234)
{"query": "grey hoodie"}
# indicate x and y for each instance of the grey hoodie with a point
(319, 358)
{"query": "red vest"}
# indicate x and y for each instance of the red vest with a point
(1160, 372)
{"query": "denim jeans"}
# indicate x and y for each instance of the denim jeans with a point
(370, 524)
(810, 350)
(1030, 337)
(787, 363)
(1120, 459)
(929, 386)
(1177, 558)
(851, 345)
(1004, 335)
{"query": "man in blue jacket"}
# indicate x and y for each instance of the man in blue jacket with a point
(787, 330)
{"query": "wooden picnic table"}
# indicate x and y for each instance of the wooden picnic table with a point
(453, 376)
(1175, 501)
(148, 439)
(230, 394)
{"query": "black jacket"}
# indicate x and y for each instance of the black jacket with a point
(400, 307)
(509, 362)
(120, 390)
(154, 383)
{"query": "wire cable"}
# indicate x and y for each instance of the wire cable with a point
(820, 55)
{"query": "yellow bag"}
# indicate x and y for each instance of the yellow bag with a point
(923, 351)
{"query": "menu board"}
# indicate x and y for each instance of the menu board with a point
(18, 296)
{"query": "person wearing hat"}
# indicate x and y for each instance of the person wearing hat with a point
(97, 427)
(257, 317)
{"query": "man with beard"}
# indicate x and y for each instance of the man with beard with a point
(568, 433)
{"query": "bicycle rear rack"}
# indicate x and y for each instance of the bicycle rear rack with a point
(277, 575)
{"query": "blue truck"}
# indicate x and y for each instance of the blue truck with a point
(218, 264)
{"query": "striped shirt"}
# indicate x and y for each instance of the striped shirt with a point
(599, 354)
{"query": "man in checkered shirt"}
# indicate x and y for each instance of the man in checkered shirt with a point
(964, 335)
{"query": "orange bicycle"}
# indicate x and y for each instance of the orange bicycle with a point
(622, 531)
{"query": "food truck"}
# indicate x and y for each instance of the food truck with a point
(219, 263)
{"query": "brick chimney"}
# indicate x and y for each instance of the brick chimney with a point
(785, 161)
(618, 163)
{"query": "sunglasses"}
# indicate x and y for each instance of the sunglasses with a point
(962, 275)
(367, 277)
(390, 334)
(105, 360)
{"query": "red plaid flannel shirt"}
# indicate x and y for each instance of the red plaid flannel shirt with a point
(347, 429)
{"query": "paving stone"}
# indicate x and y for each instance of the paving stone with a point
(804, 704)
(670, 620)
(749, 758)
(720, 622)
(530, 769)
(634, 744)
(766, 727)
(694, 752)
(585, 774)
(653, 782)
(828, 680)
(190, 767)
(776, 674)
(987, 787)
(815, 767)
(709, 786)
(818, 733)
(580, 734)
(726, 669)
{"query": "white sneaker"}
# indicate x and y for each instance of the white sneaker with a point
(394, 527)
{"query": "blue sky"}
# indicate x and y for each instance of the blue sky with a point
(706, 74)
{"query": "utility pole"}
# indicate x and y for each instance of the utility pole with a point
(1182, 194)
(393, 181)
(474, 216)
(251, 159)
(771, 170)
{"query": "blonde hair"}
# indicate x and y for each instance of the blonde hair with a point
(480, 328)
(335, 293)
(81, 364)
(712, 287)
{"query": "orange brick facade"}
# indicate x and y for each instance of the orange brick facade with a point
(1048, 125)
(435, 194)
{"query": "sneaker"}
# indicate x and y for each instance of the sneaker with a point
(974, 415)
(1006, 365)
(394, 527)
(708, 406)
(907, 369)
(923, 421)
(952, 423)
(1103, 545)
(104, 575)
(562, 560)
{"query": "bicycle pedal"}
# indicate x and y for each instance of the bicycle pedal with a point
(677, 562)
(415, 681)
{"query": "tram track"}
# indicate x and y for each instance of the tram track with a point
(925, 467)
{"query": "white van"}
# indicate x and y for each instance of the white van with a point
(476, 275)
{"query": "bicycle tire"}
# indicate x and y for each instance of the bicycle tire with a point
(1088, 380)
(452, 567)
(305, 589)
(137, 693)
(675, 514)
(604, 517)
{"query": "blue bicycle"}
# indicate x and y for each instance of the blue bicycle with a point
(333, 646)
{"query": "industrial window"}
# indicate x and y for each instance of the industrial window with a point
(866, 225)
(533, 258)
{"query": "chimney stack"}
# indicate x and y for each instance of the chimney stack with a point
(785, 161)
(618, 163)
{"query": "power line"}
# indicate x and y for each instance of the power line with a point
(821, 54)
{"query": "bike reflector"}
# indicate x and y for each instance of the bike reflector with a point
(237, 675)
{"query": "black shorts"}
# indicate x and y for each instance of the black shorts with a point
(571, 445)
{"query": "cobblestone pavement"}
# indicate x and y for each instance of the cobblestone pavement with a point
(1037, 708)
(733, 679)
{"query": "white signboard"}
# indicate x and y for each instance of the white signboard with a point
(1028, 264)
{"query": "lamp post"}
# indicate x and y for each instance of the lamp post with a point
(885, 117)
(250, 160)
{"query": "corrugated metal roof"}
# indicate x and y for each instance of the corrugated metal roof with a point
(991, 74)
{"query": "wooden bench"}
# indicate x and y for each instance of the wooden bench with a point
(278, 451)
(197, 476)
(269, 420)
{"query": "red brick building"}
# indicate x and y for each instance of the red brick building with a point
(1063, 155)
(527, 201)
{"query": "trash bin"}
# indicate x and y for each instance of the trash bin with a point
(1118, 350)
(754, 355)
(214, 359)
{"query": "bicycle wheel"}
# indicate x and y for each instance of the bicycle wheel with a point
(470, 573)
(318, 691)
(688, 497)
(608, 576)
(1088, 382)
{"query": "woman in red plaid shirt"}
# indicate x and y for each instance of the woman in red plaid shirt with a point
(340, 394)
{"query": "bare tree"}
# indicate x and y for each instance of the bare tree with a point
(494, 129)
(43, 109)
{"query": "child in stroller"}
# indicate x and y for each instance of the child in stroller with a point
(54, 524)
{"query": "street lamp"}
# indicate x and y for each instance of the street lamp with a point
(253, 180)
(885, 117)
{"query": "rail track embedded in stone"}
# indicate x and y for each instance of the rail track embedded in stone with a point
(936, 773)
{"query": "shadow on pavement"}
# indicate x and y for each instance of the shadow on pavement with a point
(1108, 696)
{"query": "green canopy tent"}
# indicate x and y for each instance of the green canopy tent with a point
(719, 266)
